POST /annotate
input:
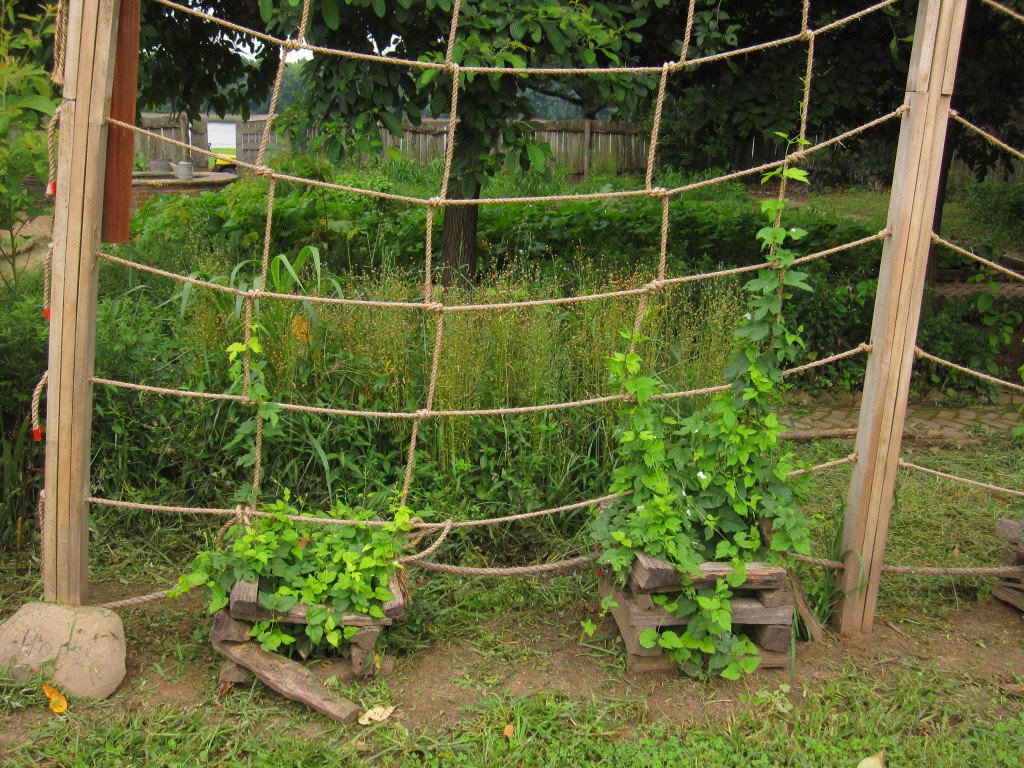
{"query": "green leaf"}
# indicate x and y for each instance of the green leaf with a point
(648, 638)
(329, 9)
(536, 155)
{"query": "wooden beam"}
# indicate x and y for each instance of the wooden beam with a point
(87, 86)
(898, 306)
(117, 196)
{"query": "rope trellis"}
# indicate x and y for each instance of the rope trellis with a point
(432, 301)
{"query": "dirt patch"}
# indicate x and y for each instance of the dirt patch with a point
(170, 663)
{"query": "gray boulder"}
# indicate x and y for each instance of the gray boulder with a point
(80, 650)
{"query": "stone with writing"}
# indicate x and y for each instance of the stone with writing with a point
(80, 650)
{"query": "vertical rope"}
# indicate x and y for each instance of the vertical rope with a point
(808, 74)
(37, 393)
(428, 256)
(428, 280)
(47, 279)
(410, 462)
(453, 114)
(52, 128)
(688, 34)
(453, 118)
(652, 150)
(60, 43)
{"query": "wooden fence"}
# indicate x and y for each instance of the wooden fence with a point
(579, 146)
(172, 127)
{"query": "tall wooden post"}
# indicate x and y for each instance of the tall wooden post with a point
(898, 307)
(92, 26)
(117, 194)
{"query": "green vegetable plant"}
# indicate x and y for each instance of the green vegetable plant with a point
(331, 569)
(714, 485)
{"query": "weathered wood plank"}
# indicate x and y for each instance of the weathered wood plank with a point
(234, 674)
(225, 629)
(653, 575)
(745, 610)
(773, 598)
(897, 308)
(1009, 593)
(245, 605)
(772, 637)
(1010, 530)
(630, 634)
(117, 196)
(87, 84)
(290, 679)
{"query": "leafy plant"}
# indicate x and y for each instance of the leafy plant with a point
(333, 570)
(714, 485)
(25, 99)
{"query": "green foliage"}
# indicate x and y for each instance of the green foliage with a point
(26, 101)
(710, 485)
(331, 569)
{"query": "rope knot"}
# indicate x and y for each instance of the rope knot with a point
(435, 202)
(657, 284)
(422, 413)
(291, 45)
(263, 170)
(434, 306)
(659, 193)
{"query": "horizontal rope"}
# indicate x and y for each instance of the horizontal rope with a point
(971, 255)
(435, 307)
(918, 570)
(440, 413)
(673, 66)
(420, 525)
(946, 476)
(922, 355)
(851, 459)
(524, 570)
(995, 141)
(1008, 11)
(131, 602)
(437, 202)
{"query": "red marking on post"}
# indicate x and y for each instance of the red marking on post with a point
(51, 188)
(46, 313)
(37, 433)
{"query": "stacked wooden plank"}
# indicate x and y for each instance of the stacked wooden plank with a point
(762, 609)
(244, 658)
(1011, 591)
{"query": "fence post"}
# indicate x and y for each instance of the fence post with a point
(898, 306)
(88, 76)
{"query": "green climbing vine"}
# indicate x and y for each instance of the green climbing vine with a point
(715, 485)
(331, 569)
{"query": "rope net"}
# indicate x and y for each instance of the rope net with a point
(431, 306)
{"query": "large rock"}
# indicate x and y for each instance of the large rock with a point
(79, 650)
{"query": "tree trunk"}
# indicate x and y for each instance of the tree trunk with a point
(458, 240)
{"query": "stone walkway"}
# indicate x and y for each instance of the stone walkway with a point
(921, 418)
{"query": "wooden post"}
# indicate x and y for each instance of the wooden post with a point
(117, 196)
(898, 306)
(88, 75)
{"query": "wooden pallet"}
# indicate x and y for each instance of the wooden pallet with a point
(245, 606)
(1011, 591)
(762, 609)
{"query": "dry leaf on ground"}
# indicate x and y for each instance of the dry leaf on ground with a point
(58, 703)
(375, 715)
(875, 761)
